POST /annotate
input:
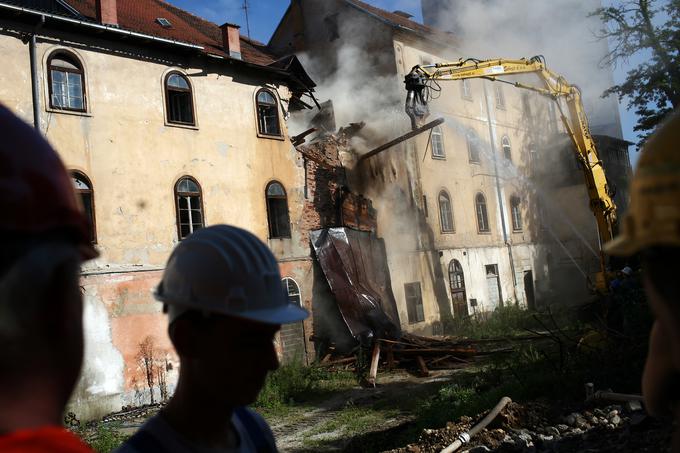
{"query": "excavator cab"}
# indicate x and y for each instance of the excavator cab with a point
(416, 102)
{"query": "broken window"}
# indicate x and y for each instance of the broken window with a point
(482, 215)
(437, 143)
(414, 303)
(84, 191)
(179, 100)
(290, 287)
(267, 114)
(465, 90)
(445, 213)
(515, 208)
(473, 147)
(189, 207)
(277, 211)
(500, 96)
(66, 82)
(507, 151)
(331, 22)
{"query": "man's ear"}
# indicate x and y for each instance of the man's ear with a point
(184, 338)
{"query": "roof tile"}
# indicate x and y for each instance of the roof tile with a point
(141, 15)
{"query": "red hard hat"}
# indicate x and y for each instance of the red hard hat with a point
(36, 192)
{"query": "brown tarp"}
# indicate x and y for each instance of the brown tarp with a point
(355, 266)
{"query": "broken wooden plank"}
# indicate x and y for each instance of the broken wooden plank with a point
(402, 138)
(375, 358)
(422, 367)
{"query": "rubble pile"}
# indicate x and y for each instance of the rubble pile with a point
(533, 427)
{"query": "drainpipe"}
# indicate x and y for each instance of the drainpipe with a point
(494, 152)
(34, 74)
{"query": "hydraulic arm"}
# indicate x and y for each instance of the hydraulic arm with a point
(423, 79)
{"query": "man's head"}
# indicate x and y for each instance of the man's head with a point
(43, 239)
(225, 301)
(652, 228)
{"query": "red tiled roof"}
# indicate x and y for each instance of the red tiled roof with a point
(397, 20)
(141, 15)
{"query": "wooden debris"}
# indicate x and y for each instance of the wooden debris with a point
(375, 358)
(424, 372)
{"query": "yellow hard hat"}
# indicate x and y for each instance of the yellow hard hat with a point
(653, 218)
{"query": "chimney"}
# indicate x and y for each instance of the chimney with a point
(107, 12)
(231, 40)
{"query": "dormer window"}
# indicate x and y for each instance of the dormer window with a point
(165, 23)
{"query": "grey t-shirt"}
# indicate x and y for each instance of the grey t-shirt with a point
(170, 440)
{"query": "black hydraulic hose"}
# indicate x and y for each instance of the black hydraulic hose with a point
(465, 437)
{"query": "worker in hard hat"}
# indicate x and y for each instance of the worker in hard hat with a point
(43, 241)
(652, 229)
(223, 295)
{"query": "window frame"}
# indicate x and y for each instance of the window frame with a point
(516, 214)
(166, 94)
(418, 316)
(284, 197)
(73, 58)
(469, 139)
(288, 294)
(485, 212)
(455, 271)
(499, 95)
(442, 228)
(466, 90)
(77, 174)
(277, 103)
(437, 131)
(507, 148)
(177, 195)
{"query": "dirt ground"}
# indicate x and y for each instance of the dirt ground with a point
(377, 419)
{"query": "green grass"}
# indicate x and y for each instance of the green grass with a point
(106, 438)
(295, 383)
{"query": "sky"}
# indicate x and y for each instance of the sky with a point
(264, 16)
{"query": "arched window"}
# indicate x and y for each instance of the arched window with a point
(277, 211)
(83, 188)
(473, 147)
(507, 151)
(437, 143)
(179, 100)
(482, 215)
(66, 82)
(515, 208)
(267, 113)
(291, 288)
(189, 207)
(456, 277)
(445, 213)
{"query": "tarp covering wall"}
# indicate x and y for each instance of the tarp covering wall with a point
(355, 266)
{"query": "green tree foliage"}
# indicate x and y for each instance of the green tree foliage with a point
(648, 28)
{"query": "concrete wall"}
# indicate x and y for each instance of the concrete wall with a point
(133, 159)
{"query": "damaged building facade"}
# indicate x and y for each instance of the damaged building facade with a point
(490, 207)
(167, 123)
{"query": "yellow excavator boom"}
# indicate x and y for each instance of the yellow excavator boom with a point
(553, 86)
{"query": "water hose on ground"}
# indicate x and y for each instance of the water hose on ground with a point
(465, 437)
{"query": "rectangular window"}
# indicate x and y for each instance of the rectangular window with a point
(473, 148)
(465, 90)
(500, 97)
(67, 90)
(414, 303)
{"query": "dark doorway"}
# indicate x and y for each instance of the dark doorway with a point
(457, 285)
(529, 290)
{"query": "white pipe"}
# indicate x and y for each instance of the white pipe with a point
(465, 437)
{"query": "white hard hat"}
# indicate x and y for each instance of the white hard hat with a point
(226, 270)
(627, 270)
